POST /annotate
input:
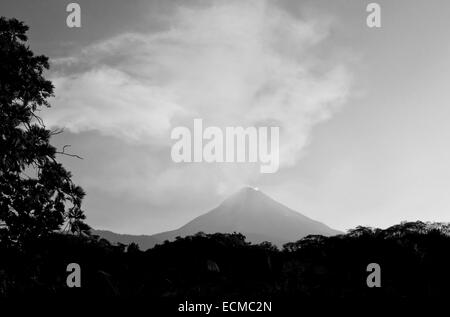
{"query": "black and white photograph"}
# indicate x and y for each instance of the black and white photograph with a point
(216, 156)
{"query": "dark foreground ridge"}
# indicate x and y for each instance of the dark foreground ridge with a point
(414, 258)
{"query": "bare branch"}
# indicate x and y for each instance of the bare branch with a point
(56, 131)
(39, 119)
(68, 154)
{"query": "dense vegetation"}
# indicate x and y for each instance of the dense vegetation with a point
(414, 259)
(37, 195)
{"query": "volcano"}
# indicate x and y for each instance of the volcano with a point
(248, 211)
(257, 216)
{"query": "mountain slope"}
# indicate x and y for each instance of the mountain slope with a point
(144, 242)
(257, 216)
(250, 212)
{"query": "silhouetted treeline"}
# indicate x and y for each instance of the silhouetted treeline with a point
(37, 195)
(414, 258)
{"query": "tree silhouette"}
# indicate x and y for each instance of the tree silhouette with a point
(37, 195)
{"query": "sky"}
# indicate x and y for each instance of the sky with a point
(364, 112)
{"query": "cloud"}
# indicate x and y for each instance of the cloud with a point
(112, 102)
(231, 63)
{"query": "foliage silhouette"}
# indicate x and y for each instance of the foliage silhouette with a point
(414, 259)
(37, 193)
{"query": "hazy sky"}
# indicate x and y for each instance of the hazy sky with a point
(364, 113)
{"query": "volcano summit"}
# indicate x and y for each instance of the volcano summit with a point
(248, 211)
